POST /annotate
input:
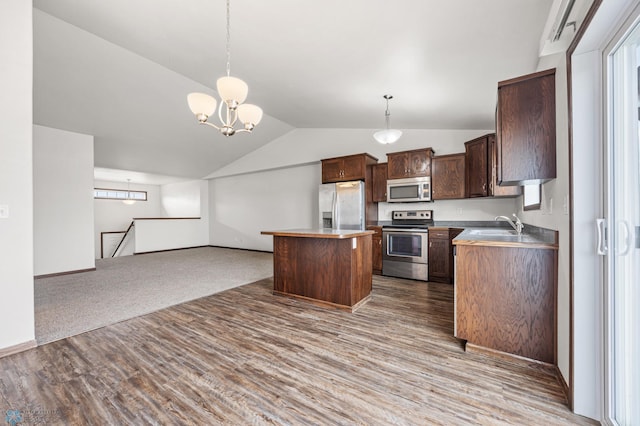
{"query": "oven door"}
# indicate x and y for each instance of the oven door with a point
(405, 245)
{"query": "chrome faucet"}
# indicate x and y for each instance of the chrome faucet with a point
(518, 225)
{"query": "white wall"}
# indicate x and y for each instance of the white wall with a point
(255, 196)
(243, 206)
(164, 234)
(181, 199)
(16, 181)
(62, 201)
(307, 146)
(114, 215)
(465, 209)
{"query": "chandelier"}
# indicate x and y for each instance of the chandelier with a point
(387, 135)
(232, 92)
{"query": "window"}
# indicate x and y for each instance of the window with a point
(532, 197)
(118, 194)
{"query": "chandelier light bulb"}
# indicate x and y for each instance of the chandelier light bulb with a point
(202, 104)
(232, 90)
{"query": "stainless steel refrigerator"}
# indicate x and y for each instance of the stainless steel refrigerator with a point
(342, 205)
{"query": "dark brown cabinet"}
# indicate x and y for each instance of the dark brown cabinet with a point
(477, 163)
(406, 164)
(376, 249)
(496, 190)
(354, 167)
(350, 167)
(379, 178)
(441, 254)
(448, 177)
(505, 299)
(526, 129)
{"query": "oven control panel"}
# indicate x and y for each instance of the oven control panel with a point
(412, 214)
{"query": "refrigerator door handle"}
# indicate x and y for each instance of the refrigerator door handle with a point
(334, 210)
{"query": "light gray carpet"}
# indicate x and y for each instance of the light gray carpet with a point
(129, 286)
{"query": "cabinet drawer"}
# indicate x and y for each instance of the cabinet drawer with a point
(439, 234)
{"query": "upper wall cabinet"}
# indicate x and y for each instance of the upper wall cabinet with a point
(406, 164)
(448, 177)
(477, 166)
(526, 129)
(496, 190)
(379, 178)
(343, 169)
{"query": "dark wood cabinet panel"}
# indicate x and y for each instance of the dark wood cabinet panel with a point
(376, 249)
(505, 299)
(441, 254)
(448, 177)
(526, 129)
(398, 166)
(326, 270)
(406, 164)
(477, 162)
(350, 167)
(332, 170)
(379, 177)
(496, 190)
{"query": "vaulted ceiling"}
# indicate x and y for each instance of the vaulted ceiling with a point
(120, 69)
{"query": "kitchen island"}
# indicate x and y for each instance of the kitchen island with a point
(328, 267)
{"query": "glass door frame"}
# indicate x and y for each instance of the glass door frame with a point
(611, 244)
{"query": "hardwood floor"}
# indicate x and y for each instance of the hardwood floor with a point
(245, 356)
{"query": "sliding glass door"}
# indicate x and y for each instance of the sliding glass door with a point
(621, 227)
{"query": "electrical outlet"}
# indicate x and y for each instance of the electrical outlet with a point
(550, 206)
(4, 211)
(459, 211)
(565, 205)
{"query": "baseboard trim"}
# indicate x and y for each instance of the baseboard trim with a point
(244, 249)
(563, 383)
(57, 274)
(21, 347)
(471, 348)
(162, 251)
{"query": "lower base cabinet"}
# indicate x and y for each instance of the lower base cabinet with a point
(441, 254)
(376, 249)
(505, 300)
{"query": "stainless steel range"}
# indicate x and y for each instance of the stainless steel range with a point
(405, 245)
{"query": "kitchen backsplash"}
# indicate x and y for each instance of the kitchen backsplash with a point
(466, 209)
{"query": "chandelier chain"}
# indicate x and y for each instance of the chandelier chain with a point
(228, 40)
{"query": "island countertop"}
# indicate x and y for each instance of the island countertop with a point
(319, 233)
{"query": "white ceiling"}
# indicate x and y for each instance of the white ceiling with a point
(121, 71)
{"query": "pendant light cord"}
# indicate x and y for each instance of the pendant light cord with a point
(228, 40)
(387, 114)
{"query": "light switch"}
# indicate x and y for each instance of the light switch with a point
(4, 211)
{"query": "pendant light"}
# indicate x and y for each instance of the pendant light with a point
(129, 200)
(387, 135)
(232, 92)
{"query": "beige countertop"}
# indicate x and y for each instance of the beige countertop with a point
(319, 233)
(505, 237)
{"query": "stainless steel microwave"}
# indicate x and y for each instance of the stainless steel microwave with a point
(409, 190)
